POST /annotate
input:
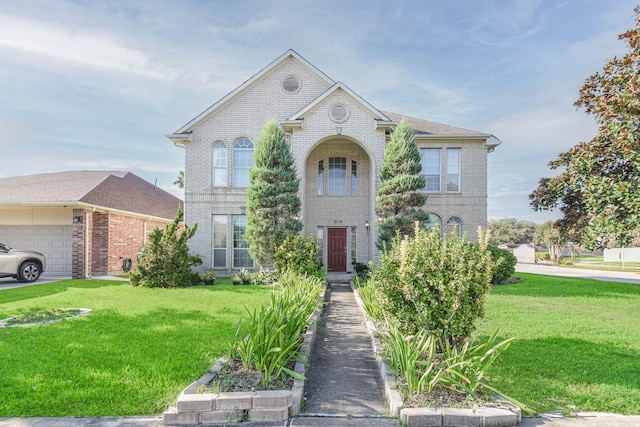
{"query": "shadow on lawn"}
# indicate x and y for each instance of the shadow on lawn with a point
(52, 288)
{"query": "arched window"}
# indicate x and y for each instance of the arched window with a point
(454, 226)
(219, 165)
(242, 161)
(434, 221)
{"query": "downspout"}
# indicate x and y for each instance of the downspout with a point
(86, 245)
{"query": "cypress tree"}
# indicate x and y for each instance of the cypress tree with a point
(400, 195)
(273, 203)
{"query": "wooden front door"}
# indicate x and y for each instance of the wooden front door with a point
(337, 249)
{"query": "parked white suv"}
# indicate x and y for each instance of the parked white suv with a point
(26, 266)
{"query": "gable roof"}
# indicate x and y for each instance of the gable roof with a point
(377, 114)
(122, 191)
(181, 133)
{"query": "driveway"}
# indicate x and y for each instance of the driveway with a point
(551, 270)
(9, 283)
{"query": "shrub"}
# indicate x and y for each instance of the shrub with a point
(373, 300)
(242, 277)
(165, 261)
(361, 269)
(264, 277)
(425, 363)
(436, 285)
(504, 264)
(543, 256)
(299, 254)
(275, 332)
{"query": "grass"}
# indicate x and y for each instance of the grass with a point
(131, 356)
(577, 344)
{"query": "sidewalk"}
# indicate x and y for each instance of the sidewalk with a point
(552, 270)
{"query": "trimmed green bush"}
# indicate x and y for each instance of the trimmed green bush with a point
(504, 264)
(436, 285)
(299, 254)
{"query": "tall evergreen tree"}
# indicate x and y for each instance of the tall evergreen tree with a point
(400, 195)
(273, 203)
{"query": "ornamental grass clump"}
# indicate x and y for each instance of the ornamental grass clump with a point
(275, 332)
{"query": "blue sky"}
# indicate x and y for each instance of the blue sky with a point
(95, 85)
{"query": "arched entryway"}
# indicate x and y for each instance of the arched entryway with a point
(338, 202)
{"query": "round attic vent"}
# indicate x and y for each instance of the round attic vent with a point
(291, 84)
(339, 113)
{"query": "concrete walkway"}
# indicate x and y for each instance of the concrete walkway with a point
(343, 379)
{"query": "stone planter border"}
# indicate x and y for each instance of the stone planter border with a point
(505, 416)
(263, 408)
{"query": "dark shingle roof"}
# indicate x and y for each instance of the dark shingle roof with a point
(425, 127)
(116, 190)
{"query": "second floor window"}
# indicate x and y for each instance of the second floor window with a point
(219, 165)
(453, 170)
(242, 161)
(337, 176)
(431, 168)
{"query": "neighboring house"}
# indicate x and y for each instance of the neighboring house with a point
(85, 222)
(338, 141)
(524, 252)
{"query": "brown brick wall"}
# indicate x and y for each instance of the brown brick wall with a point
(82, 233)
(100, 242)
(110, 238)
(127, 235)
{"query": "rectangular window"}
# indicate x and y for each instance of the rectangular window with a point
(242, 162)
(241, 257)
(219, 241)
(320, 177)
(337, 176)
(353, 244)
(354, 178)
(453, 169)
(431, 168)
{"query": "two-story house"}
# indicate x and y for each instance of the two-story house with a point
(338, 141)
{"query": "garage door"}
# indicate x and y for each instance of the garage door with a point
(54, 241)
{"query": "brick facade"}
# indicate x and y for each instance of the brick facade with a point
(110, 238)
(315, 134)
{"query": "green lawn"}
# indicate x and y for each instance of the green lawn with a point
(577, 343)
(131, 356)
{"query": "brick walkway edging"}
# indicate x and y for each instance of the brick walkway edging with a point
(257, 407)
(506, 416)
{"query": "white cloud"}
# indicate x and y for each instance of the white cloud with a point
(81, 47)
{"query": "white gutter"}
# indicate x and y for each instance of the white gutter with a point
(82, 205)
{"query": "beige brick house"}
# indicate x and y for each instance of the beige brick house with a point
(338, 141)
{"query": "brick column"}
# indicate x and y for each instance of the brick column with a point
(81, 244)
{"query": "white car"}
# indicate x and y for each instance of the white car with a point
(26, 266)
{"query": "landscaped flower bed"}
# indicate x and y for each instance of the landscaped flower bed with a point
(197, 408)
(501, 414)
